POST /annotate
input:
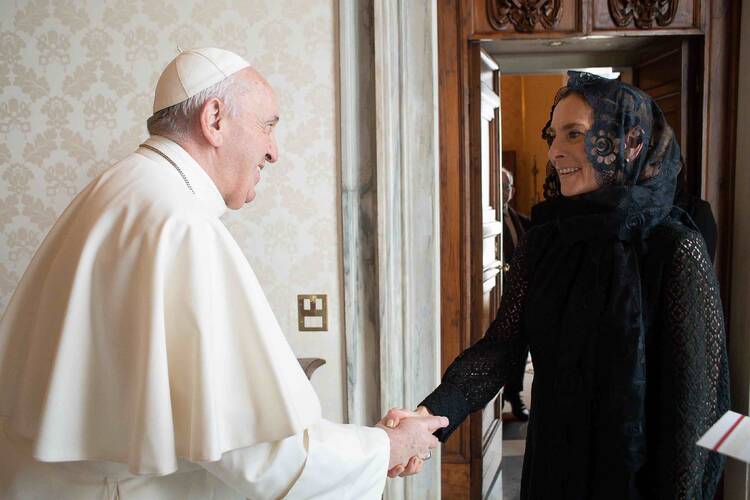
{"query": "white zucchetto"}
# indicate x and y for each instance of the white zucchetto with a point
(193, 71)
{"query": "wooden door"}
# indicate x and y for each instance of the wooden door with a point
(485, 237)
(471, 212)
(489, 448)
(671, 73)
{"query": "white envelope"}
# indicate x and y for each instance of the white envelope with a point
(730, 436)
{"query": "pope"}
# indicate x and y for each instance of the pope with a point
(139, 357)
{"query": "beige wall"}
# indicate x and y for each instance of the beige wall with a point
(77, 81)
(526, 101)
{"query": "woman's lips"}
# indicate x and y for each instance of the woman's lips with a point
(567, 171)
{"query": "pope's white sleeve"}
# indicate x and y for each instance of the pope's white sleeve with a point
(343, 462)
(326, 461)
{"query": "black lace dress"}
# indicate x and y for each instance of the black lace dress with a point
(599, 428)
(616, 297)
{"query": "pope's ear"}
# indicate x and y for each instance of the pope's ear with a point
(211, 121)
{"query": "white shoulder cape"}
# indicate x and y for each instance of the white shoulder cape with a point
(139, 333)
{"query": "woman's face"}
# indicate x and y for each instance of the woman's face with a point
(572, 118)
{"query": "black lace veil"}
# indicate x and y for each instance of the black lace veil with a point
(624, 119)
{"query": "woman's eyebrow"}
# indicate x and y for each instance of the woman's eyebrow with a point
(567, 126)
(571, 125)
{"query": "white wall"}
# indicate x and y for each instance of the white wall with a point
(76, 86)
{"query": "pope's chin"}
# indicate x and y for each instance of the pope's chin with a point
(251, 193)
(237, 200)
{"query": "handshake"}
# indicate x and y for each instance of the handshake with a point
(410, 434)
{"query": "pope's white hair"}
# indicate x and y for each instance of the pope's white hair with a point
(175, 121)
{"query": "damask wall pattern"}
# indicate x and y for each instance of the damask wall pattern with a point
(77, 80)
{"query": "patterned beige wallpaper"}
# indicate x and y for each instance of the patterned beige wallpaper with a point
(77, 79)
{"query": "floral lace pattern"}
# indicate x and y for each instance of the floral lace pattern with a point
(602, 147)
(697, 373)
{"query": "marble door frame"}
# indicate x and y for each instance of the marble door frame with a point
(390, 212)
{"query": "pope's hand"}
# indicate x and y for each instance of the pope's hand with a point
(392, 419)
(410, 439)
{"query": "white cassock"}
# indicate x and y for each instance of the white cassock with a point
(139, 359)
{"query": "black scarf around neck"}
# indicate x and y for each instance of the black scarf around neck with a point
(585, 306)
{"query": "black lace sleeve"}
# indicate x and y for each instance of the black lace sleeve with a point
(477, 375)
(694, 373)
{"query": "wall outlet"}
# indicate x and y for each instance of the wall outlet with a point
(312, 313)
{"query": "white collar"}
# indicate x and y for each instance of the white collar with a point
(200, 182)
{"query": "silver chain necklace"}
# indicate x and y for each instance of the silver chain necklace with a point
(187, 183)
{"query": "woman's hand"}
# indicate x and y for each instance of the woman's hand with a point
(395, 415)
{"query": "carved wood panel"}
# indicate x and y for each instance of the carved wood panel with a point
(641, 15)
(644, 13)
(524, 15)
(527, 17)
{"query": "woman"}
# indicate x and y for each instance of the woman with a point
(617, 299)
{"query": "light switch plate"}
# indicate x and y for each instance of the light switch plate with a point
(312, 313)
